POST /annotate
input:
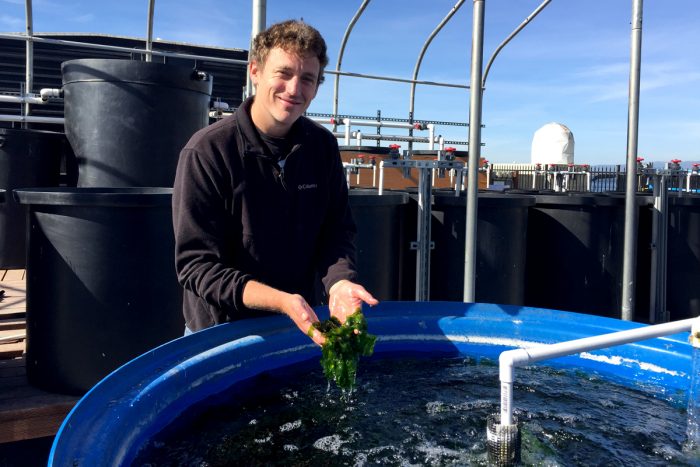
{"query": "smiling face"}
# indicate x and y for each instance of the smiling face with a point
(285, 86)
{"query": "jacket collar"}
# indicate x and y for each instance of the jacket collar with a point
(252, 141)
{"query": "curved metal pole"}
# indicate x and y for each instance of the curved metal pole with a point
(259, 19)
(474, 151)
(630, 246)
(420, 59)
(336, 82)
(29, 57)
(511, 36)
(149, 30)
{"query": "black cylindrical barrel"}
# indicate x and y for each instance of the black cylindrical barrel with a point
(379, 221)
(683, 273)
(575, 253)
(127, 120)
(28, 158)
(101, 284)
(500, 249)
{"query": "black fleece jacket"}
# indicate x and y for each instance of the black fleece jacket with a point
(238, 216)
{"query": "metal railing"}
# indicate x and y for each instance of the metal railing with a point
(596, 178)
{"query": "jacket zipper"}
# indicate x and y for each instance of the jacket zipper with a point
(280, 168)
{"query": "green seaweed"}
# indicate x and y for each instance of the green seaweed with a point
(345, 344)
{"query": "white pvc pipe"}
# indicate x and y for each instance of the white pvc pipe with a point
(380, 123)
(22, 99)
(381, 178)
(49, 93)
(510, 359)
(346, 122)
(431, 136)
(31, 119)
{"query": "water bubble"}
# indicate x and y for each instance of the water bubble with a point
(290, 447)
(331, 443)
(435, 407)
(290, 426)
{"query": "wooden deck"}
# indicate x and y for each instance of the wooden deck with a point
(25, 411)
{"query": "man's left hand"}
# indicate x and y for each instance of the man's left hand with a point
(346, 297)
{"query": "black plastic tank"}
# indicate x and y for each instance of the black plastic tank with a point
(101, 283)
(28, 158)
(683, 271)
(575, 251)
(128, 120)
(500, 249)
(380, 221)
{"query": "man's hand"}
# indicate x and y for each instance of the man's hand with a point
(303, 316)
(263, 297)
(346, 297)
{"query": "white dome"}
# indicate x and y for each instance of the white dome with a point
(552, 144)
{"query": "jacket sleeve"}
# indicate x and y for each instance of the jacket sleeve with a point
(205, 231)
(337, 252)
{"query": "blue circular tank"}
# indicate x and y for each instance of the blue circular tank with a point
(120, 414)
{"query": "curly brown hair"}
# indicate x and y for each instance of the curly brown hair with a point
(292, 36)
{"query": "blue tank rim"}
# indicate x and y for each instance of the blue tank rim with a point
(118, 415)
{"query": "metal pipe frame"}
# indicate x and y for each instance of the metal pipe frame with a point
(149, 30)
(396, 80)
(343, 42)
(630, 238)
(525, 22)
(29, 57)
(437, 29)
(424, 242)
(475, 108)
(659, 252)
(259, 22)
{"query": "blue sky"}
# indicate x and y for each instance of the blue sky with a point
(570, 65)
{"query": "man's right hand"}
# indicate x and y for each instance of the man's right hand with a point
(259, 296)
(303, 316)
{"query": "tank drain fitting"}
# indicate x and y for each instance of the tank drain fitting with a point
(502, 441)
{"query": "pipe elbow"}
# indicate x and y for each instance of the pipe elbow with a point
(48, 93)
(507, 362)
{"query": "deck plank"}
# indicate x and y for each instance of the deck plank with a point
(26, 412)
(14, 275)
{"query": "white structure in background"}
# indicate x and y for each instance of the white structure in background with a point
(552, 144)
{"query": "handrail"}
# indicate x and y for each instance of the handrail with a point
(510, 359)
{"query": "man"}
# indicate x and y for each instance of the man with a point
(260, 202)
